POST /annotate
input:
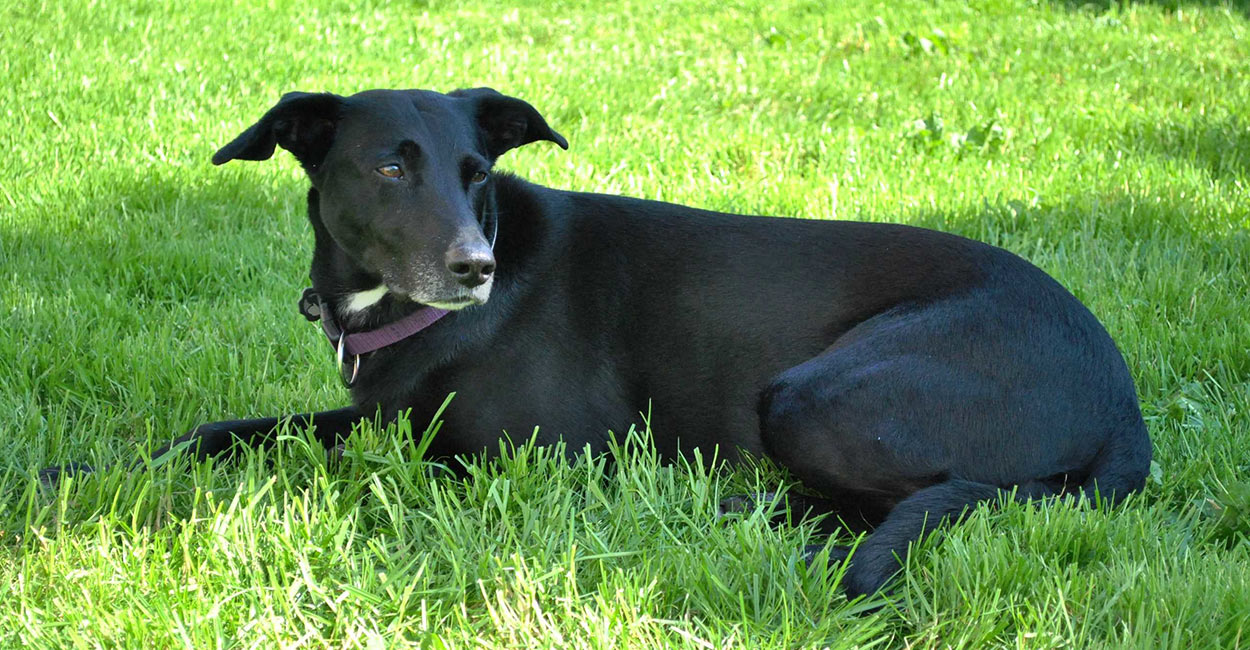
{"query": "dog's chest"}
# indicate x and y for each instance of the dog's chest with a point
(514, 396)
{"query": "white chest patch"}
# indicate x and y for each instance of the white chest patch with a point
(362, 300)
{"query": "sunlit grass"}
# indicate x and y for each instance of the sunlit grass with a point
(143, 290)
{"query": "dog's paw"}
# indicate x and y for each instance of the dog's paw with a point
(837, 554)
(741, 504)
(870, 576)
(865, 589)
(50, 477)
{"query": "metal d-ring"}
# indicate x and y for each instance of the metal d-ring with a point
(347, 381)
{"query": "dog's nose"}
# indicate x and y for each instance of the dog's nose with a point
(472, 265)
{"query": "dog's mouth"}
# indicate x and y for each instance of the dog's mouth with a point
(457, 300)
(450, 304)
(442, 295)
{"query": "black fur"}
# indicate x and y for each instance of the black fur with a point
(894, 369)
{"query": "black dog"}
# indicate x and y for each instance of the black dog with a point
(905, 374)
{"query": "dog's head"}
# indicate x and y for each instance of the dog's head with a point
(403, 178)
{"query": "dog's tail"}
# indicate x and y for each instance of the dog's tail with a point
(1119, 469)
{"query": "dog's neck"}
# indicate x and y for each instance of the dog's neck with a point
(338, 279)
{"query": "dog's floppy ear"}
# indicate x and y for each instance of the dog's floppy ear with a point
(302, 123)
(507, 122)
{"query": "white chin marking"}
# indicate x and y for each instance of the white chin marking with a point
(449, 306)
(476, 296)
(362, 300)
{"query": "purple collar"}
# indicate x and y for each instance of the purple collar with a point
(355, 344)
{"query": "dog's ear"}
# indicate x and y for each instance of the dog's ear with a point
(506, 122)
(302, 123)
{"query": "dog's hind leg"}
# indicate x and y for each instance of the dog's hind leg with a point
(880, 556)
(926, 412)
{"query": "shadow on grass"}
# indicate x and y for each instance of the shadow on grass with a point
(1220, 147)
(1100, 6)
(103, 279)
(155, 238)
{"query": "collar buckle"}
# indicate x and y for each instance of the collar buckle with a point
(348, 348)
(349, 380)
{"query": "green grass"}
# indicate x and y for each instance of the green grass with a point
(143, 291)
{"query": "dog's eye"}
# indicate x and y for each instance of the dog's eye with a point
(478, 177)
(390, 171)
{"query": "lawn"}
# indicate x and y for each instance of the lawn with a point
(143, 290)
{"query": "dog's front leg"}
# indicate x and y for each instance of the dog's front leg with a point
(217, 439)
